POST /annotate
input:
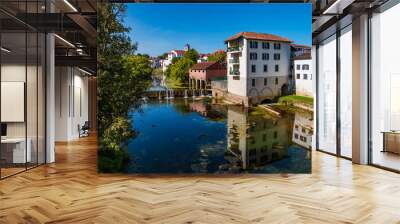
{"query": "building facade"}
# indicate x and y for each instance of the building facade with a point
(174, 54)
(258, 67)
(302, 67)
(201, 74)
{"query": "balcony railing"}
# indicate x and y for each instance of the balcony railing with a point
(234, 72)
(234, 48)
(234, 60)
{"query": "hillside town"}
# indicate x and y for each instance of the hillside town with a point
(255, 68)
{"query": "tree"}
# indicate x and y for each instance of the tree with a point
(192, 55)
(219, 56)
(163, 56)
(122, 80)
(174, 60)
(180, 70)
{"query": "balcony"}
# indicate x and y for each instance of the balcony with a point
(234, 49)
(234, 72)
(234, 61)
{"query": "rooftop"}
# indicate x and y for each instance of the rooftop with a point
(259, 36)
(203, 65)
(306, 56)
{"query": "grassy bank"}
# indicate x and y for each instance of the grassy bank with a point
(174, 84)
(294, 99)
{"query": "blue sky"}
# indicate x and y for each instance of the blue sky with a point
(159, 28)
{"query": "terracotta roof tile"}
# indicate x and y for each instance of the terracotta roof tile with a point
(259, 36)
(203, 65)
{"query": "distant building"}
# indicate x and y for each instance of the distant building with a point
(156, 62)
(203, 58)
(258, 67)
(303, 75)
(201, 74)
(298, 49)
(174, 54)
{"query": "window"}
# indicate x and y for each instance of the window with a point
(277, 46)
(327, 95)
(253, 68)
(296, 127)
(264, 137)
(265, 45)
(265, 56)
(303, 130)
(253, 82)
(305, 76)
(276, 81)
(265, 81)
(296, 136)
(277, 56)
(298, 67)
(253, 56)
(275, 134)
(277, 68)
(265, 68)
(253, 44)
(297, 76)
(305, 67)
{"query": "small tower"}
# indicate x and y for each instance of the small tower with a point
(186, 47)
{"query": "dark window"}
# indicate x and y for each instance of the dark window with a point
(298, 76)
(296, 136)
(277, 68)
(265, 56)
(265, 45)
(277, 56)
(253, 44)
(296, 127)
(276, 81)
(265, 81)
(306, 67)
(275, 134)
(253, 82)
(298, 67)
(265, 68)
(253, 68)
(304, 76)
(277, 46)
(253, 56)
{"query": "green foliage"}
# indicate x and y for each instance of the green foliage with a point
(163, 56)
(292, 99)
(219, 56)
(122, 79)
(174, 60)
(192, 55)
(180, 70)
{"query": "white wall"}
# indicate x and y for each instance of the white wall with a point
(71, 102)
(304, 87)
(241, 87)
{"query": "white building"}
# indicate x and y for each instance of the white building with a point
(299, 49)
(258, 67)
(174, 54)
(303, 75)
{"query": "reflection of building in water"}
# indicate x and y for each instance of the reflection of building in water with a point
(254, 141)
(211, 111)
(303, 130)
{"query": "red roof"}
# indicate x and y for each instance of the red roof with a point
(203, 65)
(259, 36)
(180, 52)
(301, 46)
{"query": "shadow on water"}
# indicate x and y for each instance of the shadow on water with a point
(198, 136)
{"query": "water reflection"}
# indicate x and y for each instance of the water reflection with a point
(189, 136)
